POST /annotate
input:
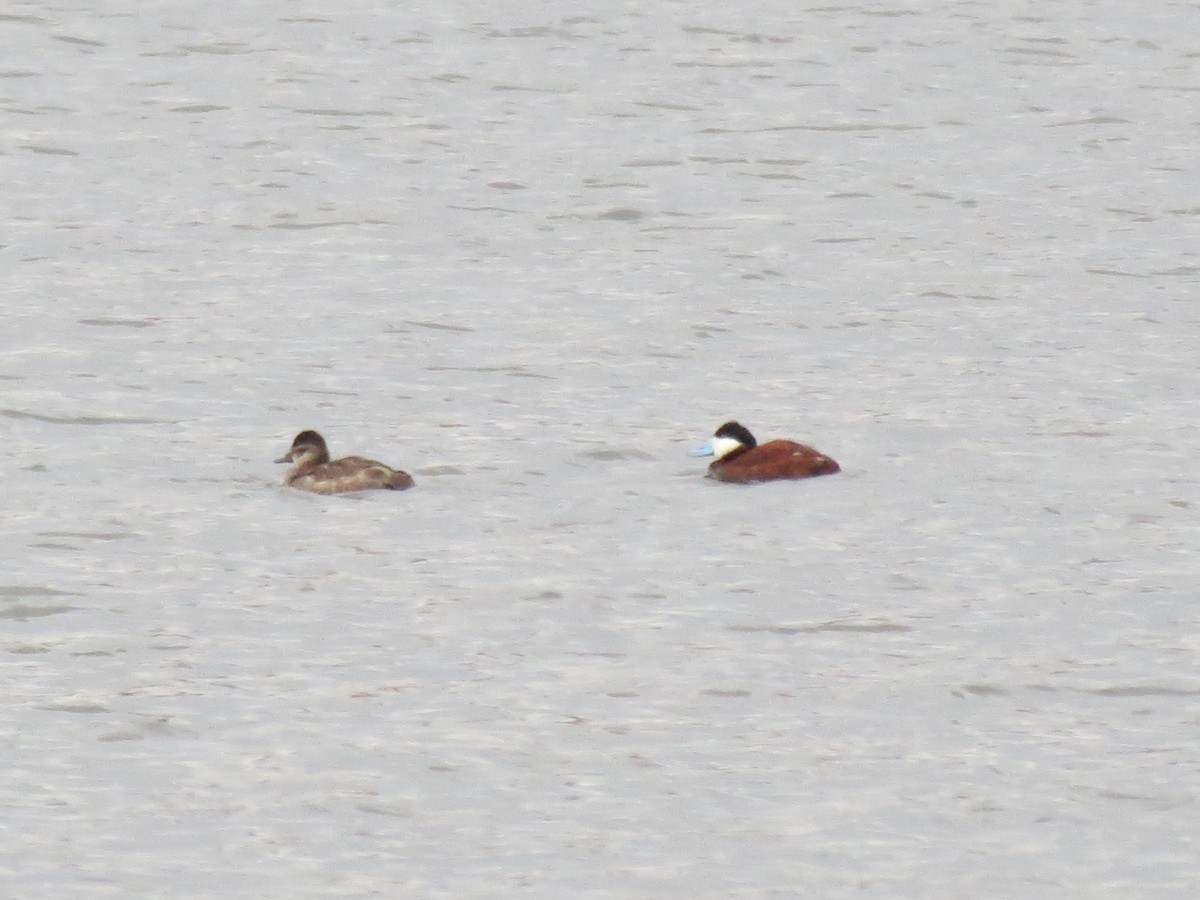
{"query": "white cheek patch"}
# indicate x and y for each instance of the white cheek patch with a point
(305, 456)
(723, 446)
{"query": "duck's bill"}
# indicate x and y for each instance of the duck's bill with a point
(706, 450)
(284, 459)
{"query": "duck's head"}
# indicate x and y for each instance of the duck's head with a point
(729, 437)
(307, 449)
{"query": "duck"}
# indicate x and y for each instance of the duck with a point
(313, 471)
(740, 459)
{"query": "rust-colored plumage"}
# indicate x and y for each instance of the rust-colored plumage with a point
(313, 471)
(740, 459)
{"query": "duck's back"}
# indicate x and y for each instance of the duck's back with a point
(773, 461)
(353, 473)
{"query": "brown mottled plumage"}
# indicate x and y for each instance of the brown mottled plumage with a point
(741, 460)
(312, 470)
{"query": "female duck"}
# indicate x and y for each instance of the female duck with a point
(312, 471)
(740, 459)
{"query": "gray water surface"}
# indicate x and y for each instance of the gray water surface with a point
(532, 253)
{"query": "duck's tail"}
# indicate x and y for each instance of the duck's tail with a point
(826, 466)
(400, 481)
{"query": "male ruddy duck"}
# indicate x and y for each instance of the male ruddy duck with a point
(312, 471)
(740, 459)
